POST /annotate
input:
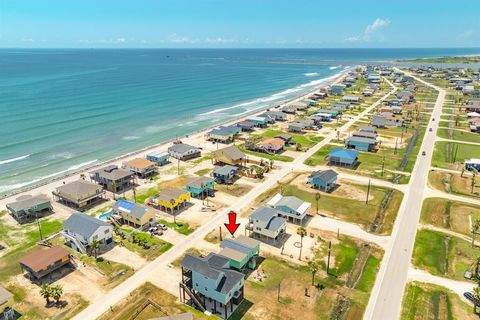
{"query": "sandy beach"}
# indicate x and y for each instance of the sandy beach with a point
(196, 139)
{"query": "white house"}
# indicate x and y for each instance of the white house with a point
(80, 230)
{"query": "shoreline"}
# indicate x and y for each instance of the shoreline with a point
(163, 144)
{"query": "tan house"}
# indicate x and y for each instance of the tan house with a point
(271, 145)
(78, 194)
(42, 262)
(6, 300)
(133, 214)
(230, 155)
(141, 167)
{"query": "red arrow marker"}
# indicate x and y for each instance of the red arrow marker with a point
(232, 226)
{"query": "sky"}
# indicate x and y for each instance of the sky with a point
(238, 23)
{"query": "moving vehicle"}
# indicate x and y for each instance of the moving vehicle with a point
(423, 153)
(469, 296)
(430, 130)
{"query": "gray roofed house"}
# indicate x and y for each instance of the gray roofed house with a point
(296, 126)
(285, 137)
(324, 179)
(224, 174)
(27, 206)
(277, 115)
(113, 178)
(290, 207)
(79, 194)
(211, 277)
(265, 222)
(182, 151)
(80, 230)
(241, 251)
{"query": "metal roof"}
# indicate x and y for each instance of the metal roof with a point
(324, 175)
(232, 152)
(27, 202)
(344, 153)
(83, 224)
(78, 188)
(137, 211)
(41, 259)
(5, 294)
(113, 173)
(264, 213)
(199, 182)
(181, 148)
(225, 170)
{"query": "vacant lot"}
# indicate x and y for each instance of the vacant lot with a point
(306, 141)
(451, 155)
(459, 135)
(425, 302)
(449, 214)
(148, 292)
(443, 255)
(324, 303)
(454, 183)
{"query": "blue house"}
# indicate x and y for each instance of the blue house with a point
(258, 121)
(361, 143)
(200, 186)
(160, 158)
(224, 174)
(290, 207)
(343, 157)
(337, 89)
(210, 284)
(242, 251)
(324, 180)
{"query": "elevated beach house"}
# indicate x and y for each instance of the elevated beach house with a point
(246, 125)
(182, 151)
(386, 119)
(364, 134)
(81, 230)
(361, 143)
(271, 145)
(230, 155)
(79, 194)
(242, 252)
(172, 199)
(113, 178)
(297, 127)
(6, 304)
(352, 99)
(160, 158)
(224, 174)
(276, 115)
(223, 134)
(141, 167)
(343, 157)
(324, 180)
(42, 262)
(133, 214)
(258, 121)
(266, 224)
(290, 207)
(27, 207)
(368, 129)
(337, 89)
(200, 186)
(209, 283)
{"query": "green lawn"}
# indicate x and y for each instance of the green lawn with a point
(455, 183)
(448, 214)
(180, 227)
(426, 302)
(305, 140)
(444, 154)
(147, 246)
(459, 135)
(443, 255)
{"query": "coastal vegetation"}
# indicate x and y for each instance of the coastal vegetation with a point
(458, 60)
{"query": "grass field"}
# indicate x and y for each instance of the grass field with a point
(351, 210)
(180, 227)
(305, 140)
(454, 183)
(459, 135)
(443, 255)
(444, 154)
(153, 247)
(169, 305)
(448, 214)
(426, 302)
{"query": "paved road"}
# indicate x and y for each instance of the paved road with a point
(386, 298)
(120, 292)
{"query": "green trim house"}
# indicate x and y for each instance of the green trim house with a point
(199, 186)
(28, 206)
(241, 251)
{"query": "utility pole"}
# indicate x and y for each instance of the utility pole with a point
(39, 227)
(220, 233)
(383, 165)
(317, 197)
(178, 166)
(278, 291)
(368, 191)
(396, 145)
(328, 259)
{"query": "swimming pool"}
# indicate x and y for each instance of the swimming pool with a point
(105, 215)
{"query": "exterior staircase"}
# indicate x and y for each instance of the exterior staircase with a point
(193, 297)
(77, 243)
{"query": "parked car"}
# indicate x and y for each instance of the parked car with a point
(469, 297)
(430, 130)
(423, 153)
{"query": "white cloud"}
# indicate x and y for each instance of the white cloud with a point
(466, 34)
(370, 30)
(376, 25)
(175, 38)
(220, 40)
(121, 40)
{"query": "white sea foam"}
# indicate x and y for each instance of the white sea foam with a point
(311, 74)
(14, 159)
(130, 138)
(61, 155)
(23, 184)
(335, 67)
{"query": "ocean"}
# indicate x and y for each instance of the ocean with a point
(66, 109)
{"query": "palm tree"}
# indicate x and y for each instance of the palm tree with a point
(56, 292)
(172, 202)
(317, 197)
(313, 265)
(134, 194)
(302, 232)
(476, 298)
(477, 266)
(475, 228)
(46, 292)
(94, 247)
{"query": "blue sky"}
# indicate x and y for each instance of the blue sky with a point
(238, 23)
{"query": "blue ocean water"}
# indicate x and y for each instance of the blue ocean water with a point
(64, 109)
